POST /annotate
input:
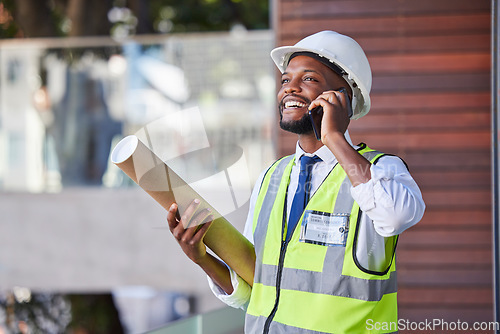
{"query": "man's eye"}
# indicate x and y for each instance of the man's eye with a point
(284, 81)
(309, 79)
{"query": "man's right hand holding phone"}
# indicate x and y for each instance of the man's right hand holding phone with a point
(334, 122)
(330, 112)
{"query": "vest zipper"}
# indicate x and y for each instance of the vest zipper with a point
(281, 261)
(270, 318)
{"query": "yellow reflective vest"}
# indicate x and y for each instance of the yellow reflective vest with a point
(311, 288)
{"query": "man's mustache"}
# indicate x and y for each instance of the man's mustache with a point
(282, 103)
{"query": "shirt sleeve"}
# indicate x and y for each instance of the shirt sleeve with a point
(391, 198)
(241, 289)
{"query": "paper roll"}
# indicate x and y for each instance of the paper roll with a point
(166, 187)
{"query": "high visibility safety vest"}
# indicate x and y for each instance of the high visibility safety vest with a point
(310, 288)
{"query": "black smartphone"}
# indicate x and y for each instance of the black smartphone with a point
(319, 110)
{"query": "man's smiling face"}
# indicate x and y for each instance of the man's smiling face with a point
(303, 81)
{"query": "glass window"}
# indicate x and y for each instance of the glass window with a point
(64, 104)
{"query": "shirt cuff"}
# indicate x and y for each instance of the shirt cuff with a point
(371, 192)
(241, 291)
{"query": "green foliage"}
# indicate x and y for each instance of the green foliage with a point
(163, 15)
(8, 29)
(212, 15)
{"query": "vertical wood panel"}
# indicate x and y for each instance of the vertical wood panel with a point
(431, 106)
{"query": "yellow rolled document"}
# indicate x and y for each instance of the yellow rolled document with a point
(166, 187)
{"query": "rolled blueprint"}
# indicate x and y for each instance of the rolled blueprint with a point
(166, 187)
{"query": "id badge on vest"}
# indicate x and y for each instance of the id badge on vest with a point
(323, 228)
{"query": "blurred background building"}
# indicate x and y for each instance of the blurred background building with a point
(72, 221)
(75, 234)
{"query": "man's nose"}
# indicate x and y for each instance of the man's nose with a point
(292, 87)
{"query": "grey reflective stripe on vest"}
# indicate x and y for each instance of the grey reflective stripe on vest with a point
(371, 154)
(312, 281)
(265, 212)
(336, 285)
(255, 324)
(343, 204)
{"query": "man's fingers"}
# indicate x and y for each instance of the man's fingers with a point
(171, 216)
(194, 233)
(199, 218)
(200, 234)
(186, 227)
(333, 97)
(187, 236)
(319, 101)
(329, 97)
(189, 212)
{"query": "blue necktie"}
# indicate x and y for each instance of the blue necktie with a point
(302, 193)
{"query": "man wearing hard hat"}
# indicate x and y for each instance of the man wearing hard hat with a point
(325, 221)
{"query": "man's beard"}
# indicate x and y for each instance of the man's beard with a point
(300, 127)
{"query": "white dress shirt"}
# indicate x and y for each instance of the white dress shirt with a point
(390, 202)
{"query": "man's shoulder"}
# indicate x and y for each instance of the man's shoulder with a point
(283, 161)
(380, 158)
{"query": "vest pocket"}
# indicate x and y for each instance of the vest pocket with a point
(372, 253)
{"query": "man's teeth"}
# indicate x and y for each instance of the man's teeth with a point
(294, 104)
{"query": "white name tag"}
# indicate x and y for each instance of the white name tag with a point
(324, 228)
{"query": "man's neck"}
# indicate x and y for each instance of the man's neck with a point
(309, 143)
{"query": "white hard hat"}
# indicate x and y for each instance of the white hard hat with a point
(342, 51)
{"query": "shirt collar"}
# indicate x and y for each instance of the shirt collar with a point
(323, 152)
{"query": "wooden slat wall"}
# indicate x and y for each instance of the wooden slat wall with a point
(431, 106)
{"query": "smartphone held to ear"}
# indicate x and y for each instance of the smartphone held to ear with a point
(319, 110)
